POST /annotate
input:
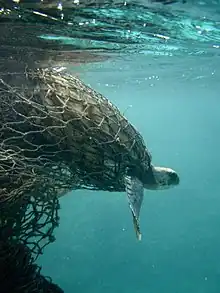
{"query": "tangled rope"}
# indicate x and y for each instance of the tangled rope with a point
(19, 274)
(56, 135)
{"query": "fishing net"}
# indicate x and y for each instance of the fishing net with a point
(19, 274)
(66, 135)
(28, 205)
(57, 135)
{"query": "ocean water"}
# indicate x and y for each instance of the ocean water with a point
(175, 106)
(161, 66)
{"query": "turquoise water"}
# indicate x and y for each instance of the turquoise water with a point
(160, 65)
(175, 106)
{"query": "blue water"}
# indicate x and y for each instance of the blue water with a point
(175, 106)
(161, 66)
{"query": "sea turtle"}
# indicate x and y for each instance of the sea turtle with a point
(71, 137)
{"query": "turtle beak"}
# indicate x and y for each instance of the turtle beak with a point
(173, 178)
(165, 178)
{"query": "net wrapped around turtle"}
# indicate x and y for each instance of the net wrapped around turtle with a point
(56, 135)
(67, 135)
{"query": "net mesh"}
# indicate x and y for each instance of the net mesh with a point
(28, 204)
(56, 135)
(19, 274)
(68, 134)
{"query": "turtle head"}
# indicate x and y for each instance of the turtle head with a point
(161, 178)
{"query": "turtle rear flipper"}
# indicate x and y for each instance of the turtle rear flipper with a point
(135, 193)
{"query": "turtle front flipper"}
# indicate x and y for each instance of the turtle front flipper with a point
(135, 194)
